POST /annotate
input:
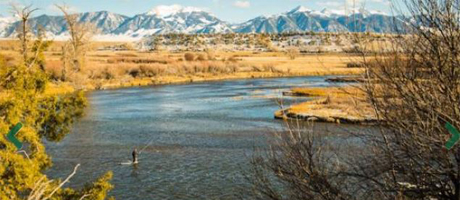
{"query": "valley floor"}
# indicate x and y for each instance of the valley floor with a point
(117, 69)
(126, 69)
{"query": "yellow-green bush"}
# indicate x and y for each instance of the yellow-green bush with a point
(22, 99)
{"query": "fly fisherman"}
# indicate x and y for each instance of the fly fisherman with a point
(135, 155)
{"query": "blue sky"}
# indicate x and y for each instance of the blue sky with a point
(228, 10)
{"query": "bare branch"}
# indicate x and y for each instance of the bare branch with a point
(63, 182)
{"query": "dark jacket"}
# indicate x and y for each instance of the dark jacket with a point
(135, 155)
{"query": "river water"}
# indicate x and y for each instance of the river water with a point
(197, 137)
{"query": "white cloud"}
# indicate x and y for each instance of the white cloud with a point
(53, 9)
(166, 10)
(242, 4)
(329, 4)
(355, 3)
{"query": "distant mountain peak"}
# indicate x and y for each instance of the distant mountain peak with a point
(377, 12)
(7, 20)
(165, 10)
(331, 12)
(190, 20)
(300, 9)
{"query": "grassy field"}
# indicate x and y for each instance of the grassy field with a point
(111, 69)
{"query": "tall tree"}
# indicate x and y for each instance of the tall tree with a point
(415, 92)
(24, 33)
(80, 33)
(23, 99)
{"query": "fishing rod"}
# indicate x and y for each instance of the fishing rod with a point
(148, 144)
(129, 162)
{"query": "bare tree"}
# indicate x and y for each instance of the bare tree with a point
(24, 33)
(80, 35)
(40, 187)
(299, 164)
(415, 91)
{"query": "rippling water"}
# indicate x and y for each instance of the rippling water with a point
(200, 134)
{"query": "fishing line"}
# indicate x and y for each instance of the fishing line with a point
(129, 162)
(148, 144)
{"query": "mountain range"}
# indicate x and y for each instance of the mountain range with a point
(188, 20)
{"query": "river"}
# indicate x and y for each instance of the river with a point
(201, 136)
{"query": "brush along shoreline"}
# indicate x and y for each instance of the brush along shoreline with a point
(108, 70)
(345, 105)
(167, 80)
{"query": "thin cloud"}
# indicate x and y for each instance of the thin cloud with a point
(329, 4)
(53, 9)
(242, 4)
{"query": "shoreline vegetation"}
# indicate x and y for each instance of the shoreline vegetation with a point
(346, 105)
(128, 67)
(167, 80)
(410, 84)
(111, 69)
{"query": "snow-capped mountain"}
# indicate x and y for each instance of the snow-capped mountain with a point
(172, 19)
(190, 20)
(105, 21)
(303, 19)
(5, 22)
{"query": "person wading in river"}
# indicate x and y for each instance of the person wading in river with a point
(135, 155)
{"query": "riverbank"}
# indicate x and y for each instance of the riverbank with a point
(332, 105)
(122, 69)
(199, 129)
(109, 70)
(165, 80)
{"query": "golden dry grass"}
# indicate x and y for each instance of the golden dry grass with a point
(330, 91)
(346, 104)
(109, 69)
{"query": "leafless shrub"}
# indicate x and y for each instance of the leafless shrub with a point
(269, 68)
(108, 73)
(138, 60)
(415, 94)
(234, 59)
(263, 68)
(233, 68)
(134, 72)
(354, 65)
(152, 70)
(189, 56)
(201, 67)
(257, 68)
(216, 67)
(201, 57)
(292, 53)
(299, 164)
(415, 91)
